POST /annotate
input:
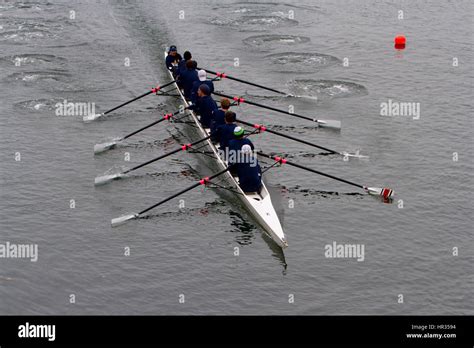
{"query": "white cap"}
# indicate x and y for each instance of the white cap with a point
(202, 75)
(246, 148)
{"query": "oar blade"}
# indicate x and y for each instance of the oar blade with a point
(123, 219)
(334, 124)
(384, 192)
(98, 148)
(104, 179)
(354, 155)
(92, 117)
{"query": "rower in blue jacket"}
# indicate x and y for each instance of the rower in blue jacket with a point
(249, 171)
(225, 132)
(182, 63)
(188, 77)
(172, 59)
(239, 140)
(235, 145)
(202, 75)
(219, 116)
(206, 105)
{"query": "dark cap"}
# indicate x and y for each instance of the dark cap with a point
(172, 48)
(205, 89)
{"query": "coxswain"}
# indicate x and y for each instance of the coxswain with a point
(172, 59)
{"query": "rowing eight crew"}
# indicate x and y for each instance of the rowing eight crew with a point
(234, 145)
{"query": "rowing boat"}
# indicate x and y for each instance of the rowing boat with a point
(259, 205)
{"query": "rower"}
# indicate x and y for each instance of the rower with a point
(219, 116)
(239, 140)
(182, 63)
(225, 132)
(172, 59)
(202, 75)
(249, 171)
(188, 77)
(205, 104)
(235, 145)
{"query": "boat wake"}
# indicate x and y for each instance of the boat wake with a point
(39, 105)
(263, 42)
(299, 62)
(254, 22)
(33, 59)
(305, 192)
(327, 88)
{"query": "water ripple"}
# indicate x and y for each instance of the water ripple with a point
(327, 88)
(302, 62)
(271, 41)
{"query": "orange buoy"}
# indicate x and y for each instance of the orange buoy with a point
(400, 42)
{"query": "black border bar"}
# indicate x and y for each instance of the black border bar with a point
(223, 330)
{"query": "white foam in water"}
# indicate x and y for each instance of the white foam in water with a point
(29, 77)
(104, 179)
(122, 219)
(92, 117)
(98, 148)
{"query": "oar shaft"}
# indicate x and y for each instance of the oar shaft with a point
(143, 128)
(139, 97)
(243, 81)
(152, 124)
(266, 107)
(200, 182)
(170, 198)
(181, 148)
(311, 170)
(262, 128)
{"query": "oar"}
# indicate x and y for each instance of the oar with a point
(262, 128)
(223, 75)
(321, 123)
(93, 117)
(123, 219)
(384, 192)
(98, 148)
(101, 180)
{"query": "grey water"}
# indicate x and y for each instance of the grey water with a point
(338, 56)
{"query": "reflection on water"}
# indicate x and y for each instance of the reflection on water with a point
(246, 235)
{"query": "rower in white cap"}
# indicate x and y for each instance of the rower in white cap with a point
(202, 75)
(249, 171)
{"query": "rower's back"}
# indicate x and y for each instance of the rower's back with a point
(188, 77)
(249, 171)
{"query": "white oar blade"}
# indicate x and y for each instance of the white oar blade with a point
(104, 179)
(98, 148)
(123, 219)
(330, 124)
(354, 155)
(93, 117)
(384, 192)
